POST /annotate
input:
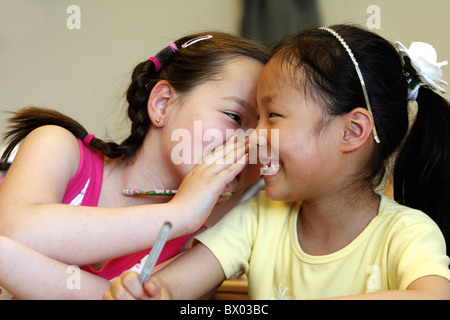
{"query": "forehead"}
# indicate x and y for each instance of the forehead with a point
(275, 81)
(241, 72)
(282, 78)
(237, 85)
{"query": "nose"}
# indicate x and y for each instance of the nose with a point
(258, 143)
(264, 138)
(258, 138)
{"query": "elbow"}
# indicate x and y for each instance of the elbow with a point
(10, 232)
(10, 226)
(5, 228)
(431, 288)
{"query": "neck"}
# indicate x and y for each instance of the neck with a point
(146, 170)
(329, 224)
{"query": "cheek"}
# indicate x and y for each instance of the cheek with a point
(298, 156)
(205, 137)
(212, 137)
(217, 130)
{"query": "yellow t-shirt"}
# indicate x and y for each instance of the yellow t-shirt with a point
(259, 238)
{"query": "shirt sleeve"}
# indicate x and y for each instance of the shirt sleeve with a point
(417, 250)
(231, 240)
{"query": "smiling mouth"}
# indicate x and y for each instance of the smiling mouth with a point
(270, 169)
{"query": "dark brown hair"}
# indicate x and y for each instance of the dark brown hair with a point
(421, 170)
(183, 69)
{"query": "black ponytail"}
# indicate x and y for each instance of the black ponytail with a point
(421, 171)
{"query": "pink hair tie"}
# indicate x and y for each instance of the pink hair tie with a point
(173, 46)
(156, 63)
(87, 140)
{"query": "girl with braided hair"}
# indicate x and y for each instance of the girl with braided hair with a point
(62, 198)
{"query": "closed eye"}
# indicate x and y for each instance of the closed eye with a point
(272, 114)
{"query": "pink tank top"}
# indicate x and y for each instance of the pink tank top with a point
(84, 190)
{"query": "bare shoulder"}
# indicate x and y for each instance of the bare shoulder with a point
(46, 161)
(52, 133)
(50, 145)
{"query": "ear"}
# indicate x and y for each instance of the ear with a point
(357, 129)
(158, 101)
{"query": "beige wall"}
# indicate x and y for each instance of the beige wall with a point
(403, 20)
(400, 20)
(84, 73)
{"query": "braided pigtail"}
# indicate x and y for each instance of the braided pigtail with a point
(26, 120)
(143, 79)
(185, 64)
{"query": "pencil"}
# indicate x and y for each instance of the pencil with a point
(160, 192)
(151, 192)
(155, 253)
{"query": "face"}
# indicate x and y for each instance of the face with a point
(300, 168)
(205, 117)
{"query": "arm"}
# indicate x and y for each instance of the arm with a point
(31, 212)
(28, 274)
(417, 262)
(184, 278)
(425, 288)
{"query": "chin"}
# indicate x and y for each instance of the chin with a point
(275, 194)
(278, 194)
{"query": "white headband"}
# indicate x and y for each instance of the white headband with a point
(358, 71)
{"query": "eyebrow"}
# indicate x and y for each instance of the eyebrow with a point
(267, 99)
(243, 103)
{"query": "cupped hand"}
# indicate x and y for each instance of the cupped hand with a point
(203, 185)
